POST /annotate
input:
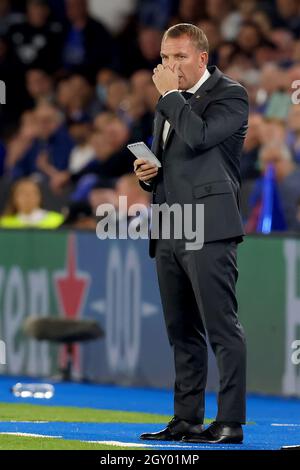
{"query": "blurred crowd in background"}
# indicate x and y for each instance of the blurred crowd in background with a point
(79, 89)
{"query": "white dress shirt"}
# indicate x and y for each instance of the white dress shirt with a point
(192, 90)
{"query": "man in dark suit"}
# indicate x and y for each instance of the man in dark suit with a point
(199, 137)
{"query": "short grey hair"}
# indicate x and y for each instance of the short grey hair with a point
(195, 34)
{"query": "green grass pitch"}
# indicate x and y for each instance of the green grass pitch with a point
(24, 412)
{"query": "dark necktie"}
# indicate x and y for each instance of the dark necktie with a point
(186, 94)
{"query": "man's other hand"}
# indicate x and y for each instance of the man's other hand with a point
(145, 170)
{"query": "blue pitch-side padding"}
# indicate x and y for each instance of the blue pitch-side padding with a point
(96, 396)
(277, 420)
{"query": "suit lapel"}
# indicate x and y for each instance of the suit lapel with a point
(199, 96)
(159, 122)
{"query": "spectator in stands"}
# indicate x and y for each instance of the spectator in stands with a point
(80, 157)
(19, 143)
(249, 161)
(115, 14)
(8, 17)
(250, 78)
(268, 85)
(116, 93)
(104, 78)
(128, 186)
(117, 134)
(244, 11)
(139, 80)
(102, 120)
(112, 159)
(155, 14)
(284, 42)
(266, 52)
(91, 105)
(287, 175)
(249, 38)
(37, 41)
(226, 52)
(279, 101)
(50, 151)
(220, 12)
(88, 45)
(189, 11)
(288, 15)
(151, 97)
(39, 85)
(272, 130)
(24, 208)
(293, 131)
(263, 21)
(77, 68)
(213, 34)
(133, 111)
(78, 99)
(141, 106)
(65, 100)
(142, 52)
(83, 153)
(149, 40)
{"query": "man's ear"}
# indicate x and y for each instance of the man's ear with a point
(203, 59)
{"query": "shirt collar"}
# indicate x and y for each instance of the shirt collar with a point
(200, 82)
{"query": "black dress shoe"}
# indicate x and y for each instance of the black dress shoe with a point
(175, 430)
(218, 433)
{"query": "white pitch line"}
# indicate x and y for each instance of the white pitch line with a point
(25, 434)
(117, 443)
(285, 424)
(191, 446)
(24, 422)
(112, 443)
(132, 444)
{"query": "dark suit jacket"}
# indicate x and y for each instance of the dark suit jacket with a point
(201, 156)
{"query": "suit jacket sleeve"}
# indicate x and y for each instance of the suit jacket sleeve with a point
(221, 119)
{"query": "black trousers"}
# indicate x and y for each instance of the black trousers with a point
(198, 296)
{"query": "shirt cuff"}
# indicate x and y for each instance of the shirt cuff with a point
(168, 92)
